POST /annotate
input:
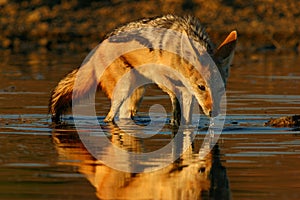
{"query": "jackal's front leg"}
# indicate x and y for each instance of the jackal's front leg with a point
(187, 105)
(176, 111)
(181, 109)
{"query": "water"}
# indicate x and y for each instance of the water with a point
(250, 161)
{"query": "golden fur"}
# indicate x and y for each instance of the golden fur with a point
(127, 104)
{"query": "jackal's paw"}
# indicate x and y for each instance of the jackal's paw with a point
(133, 113)
(108, 119)
(56, 118)
(174, 122)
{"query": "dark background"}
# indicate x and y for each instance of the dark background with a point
(263, 25)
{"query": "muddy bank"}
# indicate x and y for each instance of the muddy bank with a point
(286, 121)
(78, 25)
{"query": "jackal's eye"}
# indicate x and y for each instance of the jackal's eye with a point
(201, 87)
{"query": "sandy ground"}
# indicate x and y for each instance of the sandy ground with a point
(80, 25)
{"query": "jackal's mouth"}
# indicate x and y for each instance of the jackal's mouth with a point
(204, 111)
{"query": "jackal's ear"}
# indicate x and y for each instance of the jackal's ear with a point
(224, 53)
(227, 47)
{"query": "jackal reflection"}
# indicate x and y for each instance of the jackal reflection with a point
(187, 178)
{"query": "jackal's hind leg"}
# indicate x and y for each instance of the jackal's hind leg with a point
(125, 109)
(119, 97)
(113, 111)
(131, 105)
(136, 100)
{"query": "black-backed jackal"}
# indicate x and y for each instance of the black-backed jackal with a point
(126, 103)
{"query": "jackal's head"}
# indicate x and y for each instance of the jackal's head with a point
(209, 90)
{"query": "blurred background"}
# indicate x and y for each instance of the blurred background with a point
(43, 40)
(75, 25)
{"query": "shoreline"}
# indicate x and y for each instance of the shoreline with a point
(77, 26)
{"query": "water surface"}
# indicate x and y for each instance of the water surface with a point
(251, 161)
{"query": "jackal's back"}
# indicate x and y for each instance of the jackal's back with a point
(189, 24)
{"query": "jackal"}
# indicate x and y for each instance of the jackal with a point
(126, 100)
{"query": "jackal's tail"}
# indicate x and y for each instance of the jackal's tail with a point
(61, 96)
(64, 93)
